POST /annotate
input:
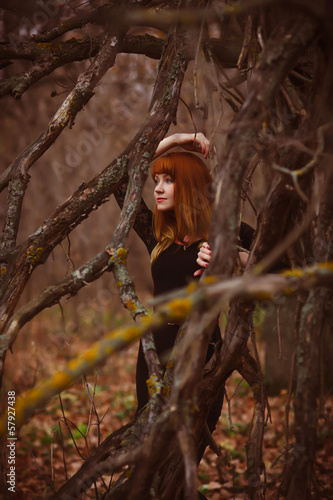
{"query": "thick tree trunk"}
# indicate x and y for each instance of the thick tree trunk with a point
(158, 449)
(299, 471)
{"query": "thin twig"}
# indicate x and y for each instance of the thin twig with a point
(96, 491)
(195, 69)
(300, 77)
(260, 37)
(296, 174)
(224, 88)
(211, 441)
(69, 430)
(191, 114)
(246, 41)
(52, 456)
(232, 428)
(293, 99)
(63, 450)
(41, 472)
(110, 483)
(263, 395)
(278, 328)
(234, 82)
(107, 411)
(92, 406)
(287, 407)
(255, 211)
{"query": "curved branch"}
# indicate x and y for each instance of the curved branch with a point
(280, 53)
(15, 281)
(95, 355)
(143, 224)
(189, 452)
(99, 15)
(73, 23)
(77, 49)
(80, 95)
(72, 284)
(176, 309)
(89, 196)
(47, 57)
(74, 49)
(248, 368)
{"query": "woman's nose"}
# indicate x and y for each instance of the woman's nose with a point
(158, 188)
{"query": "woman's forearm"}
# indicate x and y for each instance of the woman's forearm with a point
(191, 142)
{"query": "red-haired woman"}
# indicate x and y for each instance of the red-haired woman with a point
(183, 196)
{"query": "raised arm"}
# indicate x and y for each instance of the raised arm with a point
(191, 142)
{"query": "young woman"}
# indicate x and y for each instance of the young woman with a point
(183, 197)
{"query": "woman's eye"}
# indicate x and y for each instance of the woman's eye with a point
(169, 180)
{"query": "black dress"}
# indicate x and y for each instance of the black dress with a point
(174, 268)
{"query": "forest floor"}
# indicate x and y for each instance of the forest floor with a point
(46, 455)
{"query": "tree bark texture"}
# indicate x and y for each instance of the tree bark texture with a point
(282, 122)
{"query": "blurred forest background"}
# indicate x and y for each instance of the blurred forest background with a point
(102, 131)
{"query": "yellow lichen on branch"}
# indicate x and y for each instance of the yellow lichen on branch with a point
(122, 255)
(131, 305)
(95, 355)
(46, 389)
(326, 265)
(119, 256)
(176, 309)
(153, 385)
(318, 267)
(34, 255)
(180, 308)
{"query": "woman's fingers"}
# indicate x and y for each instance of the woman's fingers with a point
(204, 256)
(202, 142)
(194, 142)
(205, 253)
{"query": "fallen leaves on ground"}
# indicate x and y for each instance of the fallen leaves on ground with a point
(55, 442)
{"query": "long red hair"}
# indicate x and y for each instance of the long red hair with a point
(192, 211)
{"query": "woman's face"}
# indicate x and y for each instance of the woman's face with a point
(164, 192)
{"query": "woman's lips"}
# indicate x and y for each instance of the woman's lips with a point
(160, 199)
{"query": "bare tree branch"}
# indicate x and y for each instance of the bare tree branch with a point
(248, 122)
(286, 102)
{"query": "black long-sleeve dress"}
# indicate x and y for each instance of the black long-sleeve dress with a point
(174, 268)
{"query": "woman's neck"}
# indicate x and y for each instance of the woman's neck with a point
(187, 240)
